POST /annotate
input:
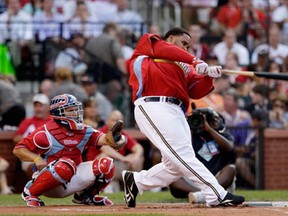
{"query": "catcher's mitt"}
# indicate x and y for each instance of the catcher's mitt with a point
(114, 138)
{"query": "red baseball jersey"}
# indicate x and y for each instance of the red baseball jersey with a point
(91, 153)
(158, 68)
(28, 125)
(53, 142)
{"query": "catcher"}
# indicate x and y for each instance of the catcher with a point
(56, 148)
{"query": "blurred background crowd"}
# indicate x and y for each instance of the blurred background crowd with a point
(82, 47)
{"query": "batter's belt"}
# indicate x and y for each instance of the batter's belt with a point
(164, 99)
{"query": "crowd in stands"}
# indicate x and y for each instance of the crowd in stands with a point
(88, 45)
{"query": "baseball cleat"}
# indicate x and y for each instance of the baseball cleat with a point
(130, 188)
(32, 201)
(231, 200)
(96, 200)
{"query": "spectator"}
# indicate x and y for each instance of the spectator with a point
(4, 188)
(127, 18)
(72, 56)
(231, 63)
(235, 117)
(104, 55)
(64, 83)
(197, 48)
(243, 86)
(259, 97)
(124, 35)
(280, 16)
(90, 85)
(278, 115)
(12, 111)
(104, 9)
(116, 95)
(33, 7)
(131, 156)
(245, 160)
(46, 86)
(275, 50)
(214, 147)
(154, 29)
(229, 17)
(91, 116)
(48, 22)
(15, 24)
(229, 44)
(28, 125)
(254, 21)
(83, 22)
(3, 6)
(16, 30)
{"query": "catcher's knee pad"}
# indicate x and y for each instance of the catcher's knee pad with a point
(104, 167)
(64, 169)
(104, 170)
(56, 173)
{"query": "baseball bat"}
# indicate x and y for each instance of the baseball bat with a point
(268, 75)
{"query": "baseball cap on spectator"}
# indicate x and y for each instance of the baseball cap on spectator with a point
(87, 79)
(41, 98)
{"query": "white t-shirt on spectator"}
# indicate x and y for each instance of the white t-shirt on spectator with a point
(20, 28)
(48, 26)
(221, 50)
(277, 54)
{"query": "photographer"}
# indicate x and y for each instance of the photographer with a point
(214, 148)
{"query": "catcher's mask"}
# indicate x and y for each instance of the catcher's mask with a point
(60, 112)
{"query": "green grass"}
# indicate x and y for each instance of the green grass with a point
(150, 197)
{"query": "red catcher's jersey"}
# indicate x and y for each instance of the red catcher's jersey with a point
(158, 68)
(53, 142)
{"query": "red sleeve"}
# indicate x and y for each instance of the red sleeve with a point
(131, 142)
(22, 127)
(36, 142)
(154, 47)
(199, 86)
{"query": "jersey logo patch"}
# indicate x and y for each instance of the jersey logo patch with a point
(185, 68)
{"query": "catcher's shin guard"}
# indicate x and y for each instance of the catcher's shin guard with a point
(56, 173)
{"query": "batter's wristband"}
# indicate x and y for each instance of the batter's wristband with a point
(36, 159)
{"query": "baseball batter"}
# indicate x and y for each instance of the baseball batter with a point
(162, 78)
(56, 149)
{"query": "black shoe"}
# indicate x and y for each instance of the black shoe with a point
(232, 200)
(130, 188)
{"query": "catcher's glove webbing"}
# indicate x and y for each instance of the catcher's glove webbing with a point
(114, 138)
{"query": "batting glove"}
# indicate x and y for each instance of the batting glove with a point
(202, 68)
(214, 71)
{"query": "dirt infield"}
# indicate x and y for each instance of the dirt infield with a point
(160, 209)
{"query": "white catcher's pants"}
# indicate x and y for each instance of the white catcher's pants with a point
(166, 127)
(83, 179)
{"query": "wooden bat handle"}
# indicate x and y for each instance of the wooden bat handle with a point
(244, 73)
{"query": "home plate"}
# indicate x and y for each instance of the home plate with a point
(274, 204)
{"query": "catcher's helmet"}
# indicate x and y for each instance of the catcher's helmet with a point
(73, 119)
